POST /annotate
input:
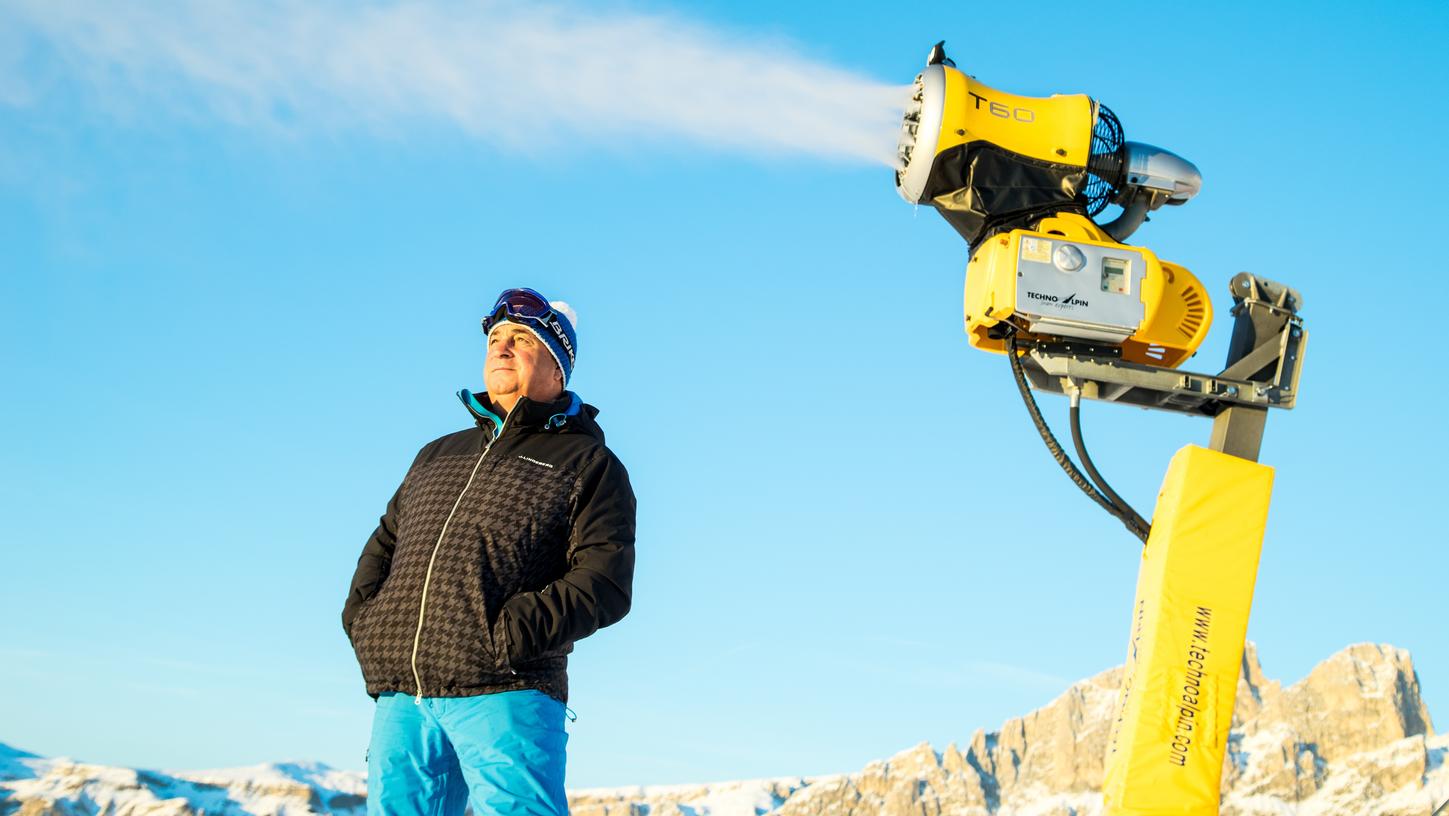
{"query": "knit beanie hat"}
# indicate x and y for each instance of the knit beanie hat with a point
(556, 331)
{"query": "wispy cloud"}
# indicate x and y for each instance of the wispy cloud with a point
(524, 77)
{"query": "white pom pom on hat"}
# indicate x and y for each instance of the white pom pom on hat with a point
(563, 308)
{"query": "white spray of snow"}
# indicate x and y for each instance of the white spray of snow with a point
(530, 77)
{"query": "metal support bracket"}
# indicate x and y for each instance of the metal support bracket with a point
(1265, 360)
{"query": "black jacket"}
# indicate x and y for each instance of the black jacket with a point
(505, 543)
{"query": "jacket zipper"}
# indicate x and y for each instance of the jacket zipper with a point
(428, 577)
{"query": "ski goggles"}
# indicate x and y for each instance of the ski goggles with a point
(524, 304)
(518, 304)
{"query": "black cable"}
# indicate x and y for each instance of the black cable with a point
(1138, 524)
(1054, 447)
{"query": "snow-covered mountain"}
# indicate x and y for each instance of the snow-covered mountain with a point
(36, 786)
(1353, 738)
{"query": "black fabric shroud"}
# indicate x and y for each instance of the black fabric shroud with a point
(981, 188)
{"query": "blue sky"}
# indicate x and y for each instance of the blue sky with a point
(227, 322)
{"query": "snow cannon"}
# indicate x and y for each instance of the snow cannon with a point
(1023, 180)
(1079, 312)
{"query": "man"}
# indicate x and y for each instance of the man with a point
(506, 543)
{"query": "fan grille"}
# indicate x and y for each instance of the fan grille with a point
(1193, 312)
(1104, 165)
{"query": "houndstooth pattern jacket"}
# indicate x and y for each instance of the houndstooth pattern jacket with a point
(504, 545)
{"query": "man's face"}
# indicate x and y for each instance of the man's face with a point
(519, 365)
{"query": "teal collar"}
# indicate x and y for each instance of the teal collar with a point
(551, 415)
(479, 409)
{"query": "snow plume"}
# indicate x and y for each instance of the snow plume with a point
(522, 76)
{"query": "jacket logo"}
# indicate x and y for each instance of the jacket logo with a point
(535, 461)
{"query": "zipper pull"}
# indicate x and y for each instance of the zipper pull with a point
(418, 700)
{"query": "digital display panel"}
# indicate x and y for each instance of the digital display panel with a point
(1114, 275)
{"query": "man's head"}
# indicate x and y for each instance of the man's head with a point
(531, 347)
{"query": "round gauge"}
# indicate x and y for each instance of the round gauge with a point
(1068, 258)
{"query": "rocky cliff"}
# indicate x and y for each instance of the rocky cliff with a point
(1353, 738)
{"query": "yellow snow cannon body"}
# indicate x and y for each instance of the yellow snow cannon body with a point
(1021, 179)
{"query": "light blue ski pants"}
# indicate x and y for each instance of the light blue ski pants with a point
(501, 753)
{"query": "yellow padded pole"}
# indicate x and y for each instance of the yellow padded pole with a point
(1189, 620)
